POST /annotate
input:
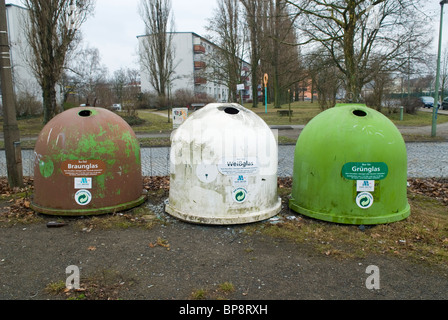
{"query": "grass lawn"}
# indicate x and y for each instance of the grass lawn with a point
(422, 237)
(421, 118)
(302, 113)
(27, 126)
(156, 122)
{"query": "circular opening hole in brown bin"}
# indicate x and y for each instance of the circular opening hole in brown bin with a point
(85, 113)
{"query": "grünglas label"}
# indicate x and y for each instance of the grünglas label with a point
(365, 170)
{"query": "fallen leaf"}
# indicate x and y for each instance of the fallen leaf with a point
(163, 243)
(160, 242)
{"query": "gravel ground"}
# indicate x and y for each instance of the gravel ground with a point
(427, 160)
(202, 257)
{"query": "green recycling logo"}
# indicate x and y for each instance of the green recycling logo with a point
(83, 197)
(239, 195)
(364, 200)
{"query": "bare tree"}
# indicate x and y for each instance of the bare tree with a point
(378, 90)
(225, 65)
(444, 73)
(355, 31)
(157, 54)
(274, 31)
(279, 58)
(126, 91)
(119, 81)
(325, 76)
(253, 15)
(51, 32)
(86, 74)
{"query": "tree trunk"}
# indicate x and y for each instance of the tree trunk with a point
(275, 60)
(49, 101)
(276, 88)
(351, 65)
(254, 72)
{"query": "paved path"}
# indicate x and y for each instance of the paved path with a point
(425, 159)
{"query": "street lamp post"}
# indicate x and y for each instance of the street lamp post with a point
(11, 132)
(436, 95)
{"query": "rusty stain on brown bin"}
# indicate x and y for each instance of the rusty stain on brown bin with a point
(87, 162)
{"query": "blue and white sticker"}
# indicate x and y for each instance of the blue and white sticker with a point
(83, 183)
(240, 181)
(365, 185)
(83, 197)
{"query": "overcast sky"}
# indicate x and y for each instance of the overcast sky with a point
(116, 24)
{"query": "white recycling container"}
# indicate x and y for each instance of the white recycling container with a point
(223, 167)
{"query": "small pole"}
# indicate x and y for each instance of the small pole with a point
(169, 101)
(10, 128)
(401, 113)
(436, 93)
(266, 92)
(289, 99)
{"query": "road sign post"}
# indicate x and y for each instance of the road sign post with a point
(266, 77)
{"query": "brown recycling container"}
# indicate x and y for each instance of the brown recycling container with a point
(87, 162)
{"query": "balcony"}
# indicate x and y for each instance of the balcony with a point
(197, 48)
(200, 80)
(198, 65)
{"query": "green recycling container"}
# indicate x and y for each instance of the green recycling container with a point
(350, 167)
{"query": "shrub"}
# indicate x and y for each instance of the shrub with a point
(27, 105)
(411, 104)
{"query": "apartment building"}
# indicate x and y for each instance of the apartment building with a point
(192, 54)
(23, 78)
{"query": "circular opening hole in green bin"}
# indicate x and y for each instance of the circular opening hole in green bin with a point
(85, 113)
(359, 113)
(231, 110)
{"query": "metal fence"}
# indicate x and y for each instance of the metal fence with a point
(155, 162)
(424, 160)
